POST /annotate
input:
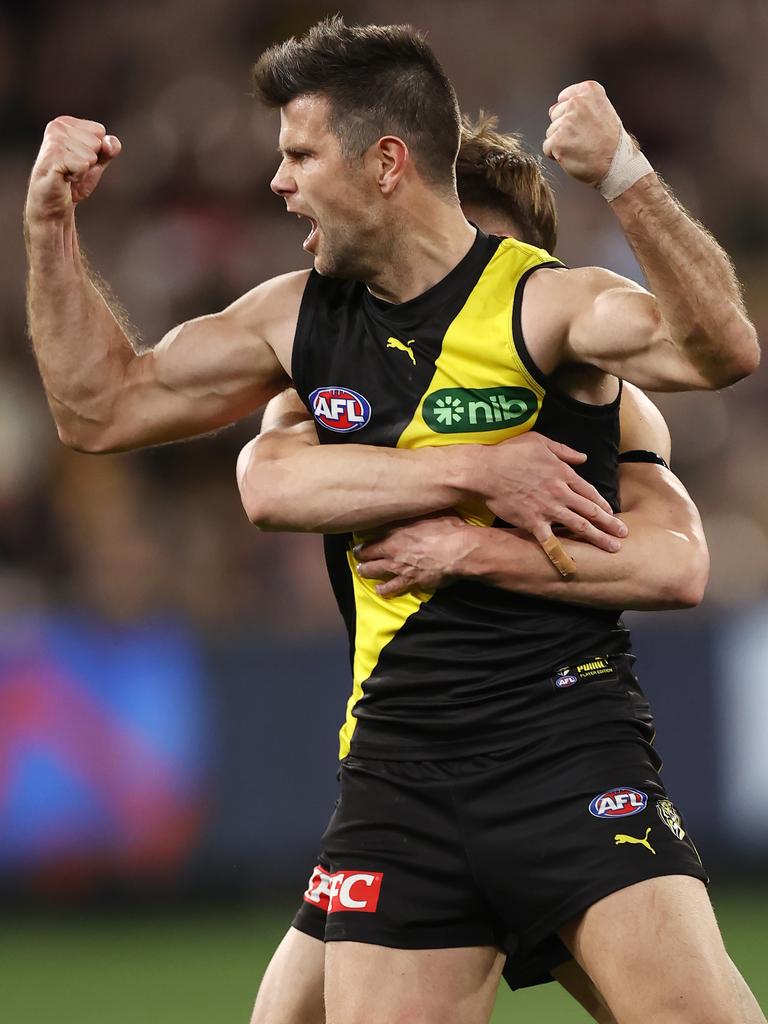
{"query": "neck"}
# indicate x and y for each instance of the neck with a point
(433, 237)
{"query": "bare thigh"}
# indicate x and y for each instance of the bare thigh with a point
(367, 984)
(580, 986)
(291, 991)
(655, 953)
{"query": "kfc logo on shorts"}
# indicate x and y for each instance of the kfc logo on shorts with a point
(340, 409)
(319, 888)
(618, 803)
(344, 890)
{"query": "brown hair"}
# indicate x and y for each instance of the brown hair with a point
(496, 170)
(379, 80)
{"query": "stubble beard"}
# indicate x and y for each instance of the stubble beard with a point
(345, 255)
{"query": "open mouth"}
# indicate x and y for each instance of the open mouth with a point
(310, 240)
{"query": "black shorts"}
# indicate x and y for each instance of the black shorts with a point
(519, 972)
(505, 847)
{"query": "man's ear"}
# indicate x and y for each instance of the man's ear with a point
(392, 157)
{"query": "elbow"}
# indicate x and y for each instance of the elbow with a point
(85, 439)
(689, 586)
(260, 511)
(689, 593)
(746, 356)
(740, 356)
(258, 486)
(255, 503)
(95, 431)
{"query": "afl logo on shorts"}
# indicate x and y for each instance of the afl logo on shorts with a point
(618, 803)
(340, 409)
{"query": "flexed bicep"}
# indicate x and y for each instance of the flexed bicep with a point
(208, 372)
(619, 327)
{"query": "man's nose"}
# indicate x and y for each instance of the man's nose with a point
(282, 184)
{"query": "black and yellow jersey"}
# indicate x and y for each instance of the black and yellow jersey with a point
(440, 674)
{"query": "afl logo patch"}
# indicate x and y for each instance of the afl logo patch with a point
(340, 409)
(565, 678)
(618, 803)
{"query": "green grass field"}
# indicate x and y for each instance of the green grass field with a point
(204, 967)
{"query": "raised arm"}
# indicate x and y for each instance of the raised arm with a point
(693, 331)
(663, 563)
(288, 482)
(104, 394)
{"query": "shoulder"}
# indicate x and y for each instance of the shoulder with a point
(270, 312)
(278, 295)
(643, 427)
(579, 284)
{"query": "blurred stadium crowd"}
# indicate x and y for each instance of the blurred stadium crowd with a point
(185, 222)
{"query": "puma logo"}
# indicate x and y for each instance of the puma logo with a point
(631, 839)
(403, 347)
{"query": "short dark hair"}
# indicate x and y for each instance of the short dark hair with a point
(379, 80)
(497, 171)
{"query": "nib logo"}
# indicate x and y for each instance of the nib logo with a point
(448, 411)
(461, 410)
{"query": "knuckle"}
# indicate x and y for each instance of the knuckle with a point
(562, 488)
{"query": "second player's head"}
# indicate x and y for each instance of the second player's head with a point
(366, 112)
(502, 187)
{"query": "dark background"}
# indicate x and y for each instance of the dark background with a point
(171, 682)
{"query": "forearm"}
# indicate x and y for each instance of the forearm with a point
(80, 346)
(656, 568)
(333, 489)
(692, 279)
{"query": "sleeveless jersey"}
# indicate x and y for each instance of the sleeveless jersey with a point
(440, 674)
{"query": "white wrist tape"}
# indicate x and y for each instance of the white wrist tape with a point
(627, 167)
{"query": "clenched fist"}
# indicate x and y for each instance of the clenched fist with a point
(584, 132)
(72, 159)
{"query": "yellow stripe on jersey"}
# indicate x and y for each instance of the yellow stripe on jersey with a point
(478, 350)
(378, 619)
(479, 354)
(476, 374)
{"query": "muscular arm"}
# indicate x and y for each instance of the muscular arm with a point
(105, 395)
(693, 331)
(662, 564)
(288, 482)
